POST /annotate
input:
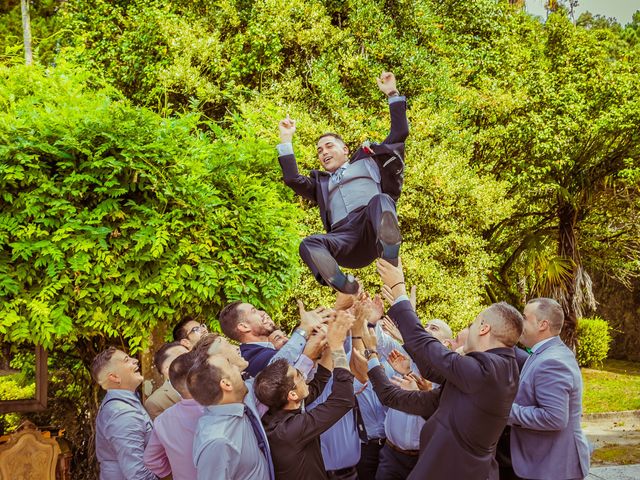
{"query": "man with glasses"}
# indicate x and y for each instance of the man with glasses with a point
(188, 332)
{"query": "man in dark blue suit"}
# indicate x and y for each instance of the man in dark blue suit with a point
(356, 196)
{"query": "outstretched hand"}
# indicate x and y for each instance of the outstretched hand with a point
(392, 277)
(387, 83)
(287, 129)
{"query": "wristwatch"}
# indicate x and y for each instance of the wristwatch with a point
(368, 353)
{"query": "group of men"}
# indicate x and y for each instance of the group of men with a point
(351, 393)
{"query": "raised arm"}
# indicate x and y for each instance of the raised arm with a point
(302, 185)
(397, 108)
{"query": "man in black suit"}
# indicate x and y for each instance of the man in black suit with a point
(467, 414)
(356, 197)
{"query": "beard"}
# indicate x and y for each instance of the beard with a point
(265, 330)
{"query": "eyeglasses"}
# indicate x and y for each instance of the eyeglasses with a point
(198, 328)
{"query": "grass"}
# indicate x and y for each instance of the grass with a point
(616, 454)
(612, 388)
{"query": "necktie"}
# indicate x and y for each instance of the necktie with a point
(262, 444)
(362, 430)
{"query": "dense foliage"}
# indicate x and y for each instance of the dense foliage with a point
(594, 339)
(140, 183)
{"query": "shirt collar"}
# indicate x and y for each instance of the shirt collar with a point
(122, 394)
(537, 346)
(227, 410)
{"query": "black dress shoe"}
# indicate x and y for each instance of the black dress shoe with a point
(389, 238)
(330, 272)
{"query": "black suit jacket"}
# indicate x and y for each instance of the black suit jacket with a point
(389, 155)
(468, 413)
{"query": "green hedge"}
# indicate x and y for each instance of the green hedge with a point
(593, 341)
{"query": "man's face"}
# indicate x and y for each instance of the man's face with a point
(221, 347)
(260, 323)
(299, 384)
(332, 153)
(231, 373)
(172, 354)
(195, 331)
(124, 370)
(473, 337)
(437, 329)
(531, 326)
(278, 339)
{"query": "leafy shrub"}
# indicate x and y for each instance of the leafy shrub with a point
(594, 339)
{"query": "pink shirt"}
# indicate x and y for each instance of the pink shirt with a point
(170, 448)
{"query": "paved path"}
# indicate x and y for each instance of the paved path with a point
(620, 472)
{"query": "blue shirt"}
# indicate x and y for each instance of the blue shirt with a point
(372, 411)
(123, 429)
(225, 446)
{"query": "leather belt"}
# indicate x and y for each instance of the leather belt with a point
(376, 441)
(412, 453)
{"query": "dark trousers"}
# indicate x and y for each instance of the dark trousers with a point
(353, 241)
(395, 465)
(369, 460)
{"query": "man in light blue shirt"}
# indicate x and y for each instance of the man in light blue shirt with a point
(230, 442)
(123, 426)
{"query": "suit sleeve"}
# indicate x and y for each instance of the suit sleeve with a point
(125, 430)
(552, 385)
(302, 185)
(399, 125)
(413, 402)
(435, 361)
(316, 386)
(307, 426)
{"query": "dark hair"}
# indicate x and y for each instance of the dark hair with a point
(179, 369)
(330, 134)
(201, 348)
(550, 310)
(100, 361)
(508, 324)
(273, 384)
(162, 354)
(229, 318)
(203, 382)
(179, 331)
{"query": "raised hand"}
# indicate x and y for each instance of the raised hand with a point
(387, 83)
(310, 320)
(406, 382)
(315, 346)
(392, 277)
(422, 383)
(390, 329)
(287, 128)
(338, 329)
(399, 362)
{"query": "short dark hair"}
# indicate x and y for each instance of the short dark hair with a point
(179, 331)
(100, 361)
(229, 319)
(550, 310)
(331, 134)
(273, 384)
(201, 348)
(203, 382)
(162, 354)
(179, 369)
(509, 325)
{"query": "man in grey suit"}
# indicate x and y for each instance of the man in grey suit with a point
(546, 439)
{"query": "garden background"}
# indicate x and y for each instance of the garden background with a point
(139, 181)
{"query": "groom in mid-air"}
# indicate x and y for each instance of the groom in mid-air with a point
(356, 196)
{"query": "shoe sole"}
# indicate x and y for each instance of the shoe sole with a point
(328, 270)
(389, 236)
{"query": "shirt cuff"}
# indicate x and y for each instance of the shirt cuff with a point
(285, 149)
(373, 362)
(397, 98)
(305, 365)
(401, 298)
